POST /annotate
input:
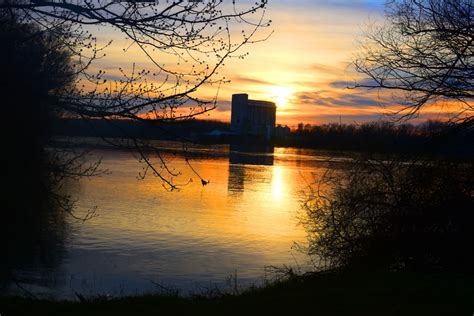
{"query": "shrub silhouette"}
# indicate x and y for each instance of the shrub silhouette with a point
(396, 215)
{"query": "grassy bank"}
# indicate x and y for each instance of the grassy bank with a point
(330, 293)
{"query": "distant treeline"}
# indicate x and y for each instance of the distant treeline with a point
(429, 137)
(136, 129)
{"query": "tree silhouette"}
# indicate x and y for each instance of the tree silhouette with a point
(186, 42)
(407, 212)
(425, 50)
(393, 214)
(36, 70)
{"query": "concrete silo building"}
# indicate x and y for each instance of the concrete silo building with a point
(252, 117)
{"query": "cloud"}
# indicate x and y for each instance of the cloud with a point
(358, 118)
(113, 77)
(241, 79)
(343, 84)
(377, 5)
(350, 118)
(374, 4)
(223, 106)
(353, 100)
(324, 68)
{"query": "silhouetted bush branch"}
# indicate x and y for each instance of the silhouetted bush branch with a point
(394, 214)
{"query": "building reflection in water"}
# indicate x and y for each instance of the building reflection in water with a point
(241, 155)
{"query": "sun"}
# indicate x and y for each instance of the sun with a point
(280, 95)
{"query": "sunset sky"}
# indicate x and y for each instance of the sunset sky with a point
(304, 66)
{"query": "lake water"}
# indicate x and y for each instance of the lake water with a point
(192, 239)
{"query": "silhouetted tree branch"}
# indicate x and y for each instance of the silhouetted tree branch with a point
(426, 52)
(186, 42)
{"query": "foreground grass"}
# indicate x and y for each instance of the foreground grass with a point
(329, 293)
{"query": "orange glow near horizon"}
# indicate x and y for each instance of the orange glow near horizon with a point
(304, 67)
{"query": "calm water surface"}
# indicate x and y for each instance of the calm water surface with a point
(192, 239)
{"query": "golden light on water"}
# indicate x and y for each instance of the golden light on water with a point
(277, 183)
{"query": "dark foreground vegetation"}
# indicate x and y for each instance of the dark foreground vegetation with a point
(325, 293)
(395, 215)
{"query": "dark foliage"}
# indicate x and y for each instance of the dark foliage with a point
(395, 215)
(330, 293)
(34, 67)
(431, 137)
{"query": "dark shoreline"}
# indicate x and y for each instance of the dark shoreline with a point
(441, 140)
(325, 293)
